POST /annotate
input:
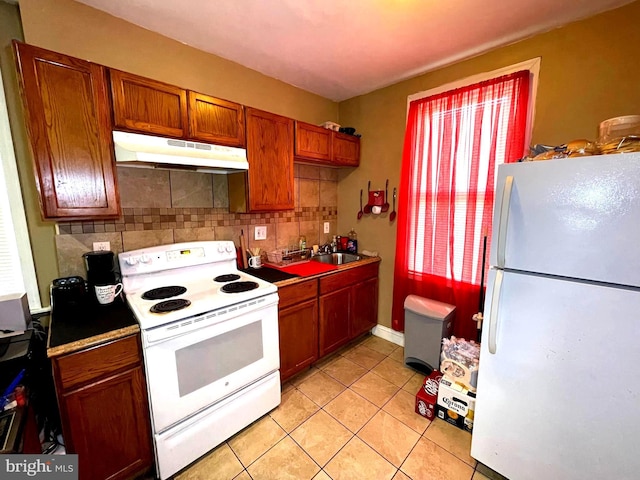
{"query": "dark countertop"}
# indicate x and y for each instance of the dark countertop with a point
(73, 329)
(270, 275)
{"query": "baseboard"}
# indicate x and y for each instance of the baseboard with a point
(389, 334)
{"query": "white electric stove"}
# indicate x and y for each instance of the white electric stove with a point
(210, 343)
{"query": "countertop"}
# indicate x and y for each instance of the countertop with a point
(77, 328)
(74, 329)
(364, 260)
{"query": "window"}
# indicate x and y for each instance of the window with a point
(455, 140)
(17, 274)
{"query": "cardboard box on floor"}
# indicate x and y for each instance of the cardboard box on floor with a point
(427, 396)
(456, 404)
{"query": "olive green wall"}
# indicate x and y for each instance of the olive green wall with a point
(589, 72)
(75, 29)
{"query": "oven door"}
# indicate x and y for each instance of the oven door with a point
(193, 370)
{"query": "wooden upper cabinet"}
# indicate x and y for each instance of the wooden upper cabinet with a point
(68, 122)
(312, 142)
(321, 146)
(270, 155)
(346, 150)
(214, 120)
(147, 106)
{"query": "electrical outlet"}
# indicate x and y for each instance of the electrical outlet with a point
(261, 233)
(101, 246)
(326, 227)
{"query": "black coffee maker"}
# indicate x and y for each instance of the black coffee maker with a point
(100, 268)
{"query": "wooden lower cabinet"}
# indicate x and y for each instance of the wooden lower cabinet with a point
(299, 336)
(364, 312)
(102, 397)
(334, 320)
(298, 327)
(348, 306)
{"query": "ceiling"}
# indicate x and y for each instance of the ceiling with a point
(340, 49)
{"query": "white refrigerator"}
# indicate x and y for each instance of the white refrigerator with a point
(558, 393)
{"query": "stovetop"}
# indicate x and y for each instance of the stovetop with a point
(193, 266)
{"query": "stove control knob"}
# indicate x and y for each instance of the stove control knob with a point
(221, 248)
(132, 261)
(229, 248)
(145, 258)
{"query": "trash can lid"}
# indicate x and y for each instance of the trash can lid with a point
(428, 307)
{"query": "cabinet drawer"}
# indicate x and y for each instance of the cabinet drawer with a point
(348, 277)
(299, 292)
(86, 365)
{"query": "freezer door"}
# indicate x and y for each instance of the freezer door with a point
(574, 217)
(559, 397)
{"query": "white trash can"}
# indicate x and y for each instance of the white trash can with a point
(426, 323)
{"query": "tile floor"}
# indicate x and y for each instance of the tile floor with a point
(351, 417)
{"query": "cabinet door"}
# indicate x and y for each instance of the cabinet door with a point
(298, 328)
(108, 426)
(346, 150)
(313, 142)
(67, 115)
(148, 106)
(334, 320)
(213, 120)
(364, 306)
(270, 155)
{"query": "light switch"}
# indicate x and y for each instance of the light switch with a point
(326, 227)
(261, 233)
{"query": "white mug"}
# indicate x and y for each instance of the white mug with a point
(255, 262)
(107, 293)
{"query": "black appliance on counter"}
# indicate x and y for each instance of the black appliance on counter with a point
(100, 268)
(68, 292)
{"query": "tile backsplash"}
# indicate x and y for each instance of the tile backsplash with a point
(162, 206)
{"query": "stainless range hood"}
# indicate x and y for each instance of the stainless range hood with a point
(146, 151)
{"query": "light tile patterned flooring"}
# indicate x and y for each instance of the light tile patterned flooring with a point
(349, 417)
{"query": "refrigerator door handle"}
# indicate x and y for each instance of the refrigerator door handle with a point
(504, 219)
(493, 313)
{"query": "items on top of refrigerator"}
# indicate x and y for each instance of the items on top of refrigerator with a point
(459, 360)
(620, 134)
(575, 148)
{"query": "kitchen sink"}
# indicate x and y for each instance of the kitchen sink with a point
(335, 258)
